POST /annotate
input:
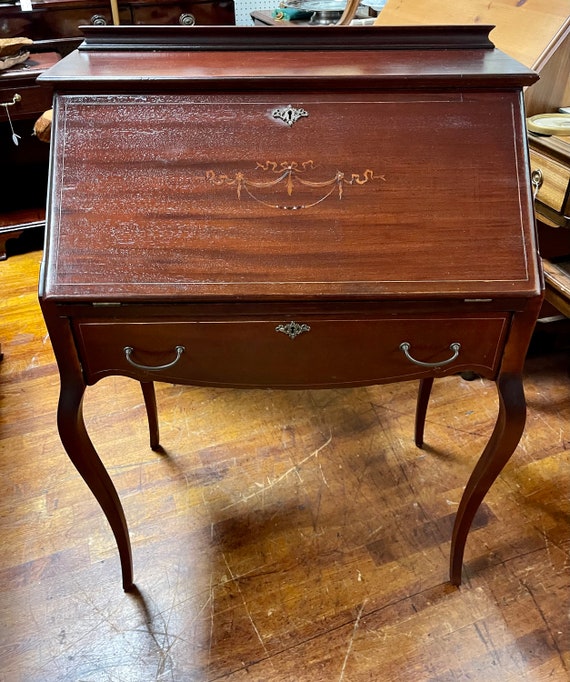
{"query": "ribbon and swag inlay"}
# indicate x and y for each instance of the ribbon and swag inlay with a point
(291, 174)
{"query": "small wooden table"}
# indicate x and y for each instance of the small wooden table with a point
(289, 208)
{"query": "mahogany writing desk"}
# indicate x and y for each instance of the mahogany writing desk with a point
(289, 208)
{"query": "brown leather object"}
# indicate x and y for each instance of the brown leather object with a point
(42, 127)
(11, 47)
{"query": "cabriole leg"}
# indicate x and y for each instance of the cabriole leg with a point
(149, 396)
(504, 439)
(424, 392)
(81, 452)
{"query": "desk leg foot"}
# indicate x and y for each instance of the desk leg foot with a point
(149, 396)
(504, 439)
(81, 452)
(424, 392)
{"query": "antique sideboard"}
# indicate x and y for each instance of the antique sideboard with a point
(289, 208)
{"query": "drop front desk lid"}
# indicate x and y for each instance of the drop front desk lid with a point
(222, 163)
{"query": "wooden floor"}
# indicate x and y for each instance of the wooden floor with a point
(282, 536)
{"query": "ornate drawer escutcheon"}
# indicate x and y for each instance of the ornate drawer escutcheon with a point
(289, 114)
(292, 329)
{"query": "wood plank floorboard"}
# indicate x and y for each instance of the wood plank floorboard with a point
(281, 536)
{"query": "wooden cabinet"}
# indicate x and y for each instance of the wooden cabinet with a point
(551, 178)
(259, 207)
(25, 97)
(62, 18)
(23, 171)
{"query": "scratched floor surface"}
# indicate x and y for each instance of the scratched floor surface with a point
(282, 536)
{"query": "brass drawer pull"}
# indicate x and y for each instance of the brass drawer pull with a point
(405, 348)
(129, 351)
(187, 19)
(536, 179)
(17, 98)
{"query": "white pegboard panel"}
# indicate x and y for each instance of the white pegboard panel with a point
(244, 8)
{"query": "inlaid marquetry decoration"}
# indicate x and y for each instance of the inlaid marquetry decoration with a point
(291, 174)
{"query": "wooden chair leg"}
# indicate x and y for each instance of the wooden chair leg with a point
(421, 409)
(149, 396)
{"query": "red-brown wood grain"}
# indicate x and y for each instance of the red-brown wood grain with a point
(208, 194)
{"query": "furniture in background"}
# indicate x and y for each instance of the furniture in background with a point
(557, 284)
(50, 19)
(536, 33)
(53, 25)
(23, 170)
(242, 207)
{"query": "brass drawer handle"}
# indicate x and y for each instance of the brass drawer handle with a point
(405, 348)
(129, 351)
(536, 179)
(17, 98)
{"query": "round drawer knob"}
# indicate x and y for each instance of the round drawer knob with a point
(187, 20)
(98, 20)
(536, 179)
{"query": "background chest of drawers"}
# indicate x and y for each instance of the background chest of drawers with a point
(52, 19)
(551, 178)
(23, 170)
(262, 208)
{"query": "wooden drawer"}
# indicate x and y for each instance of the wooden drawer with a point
(283, 353)
(553, 181)
(34, 100)
(20, 81)
(62, 18)
(184, 13)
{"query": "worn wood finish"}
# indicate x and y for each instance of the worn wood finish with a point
(206, 230)
(279, 536)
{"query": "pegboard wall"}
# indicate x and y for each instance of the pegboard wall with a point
(244, 8)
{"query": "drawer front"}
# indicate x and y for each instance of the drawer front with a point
(553, 181)
(24, 102)
(305, 352)
(185, 13)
